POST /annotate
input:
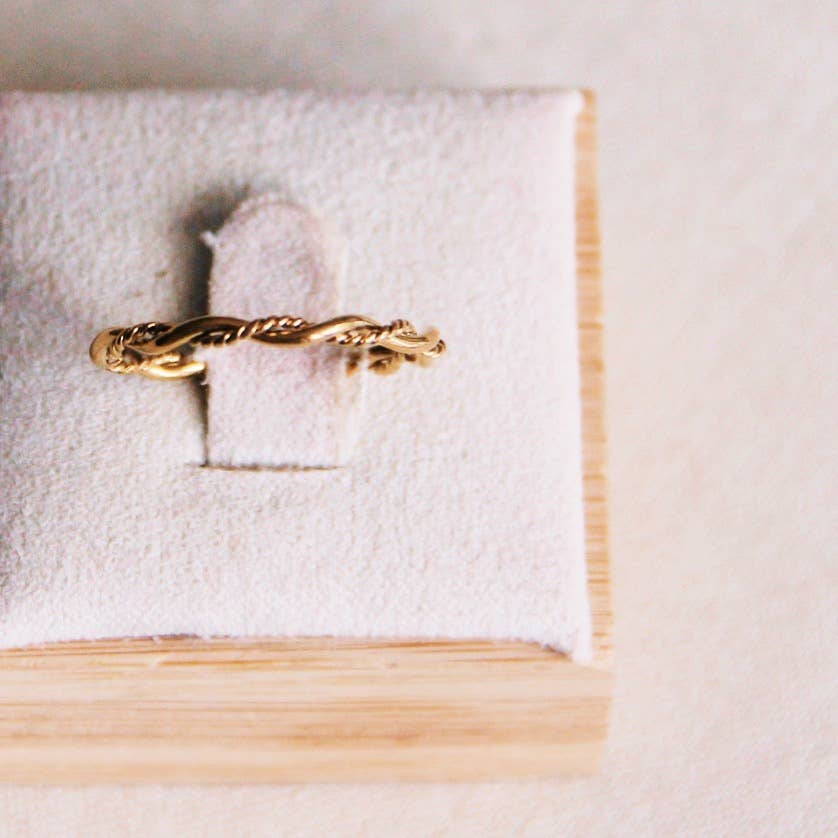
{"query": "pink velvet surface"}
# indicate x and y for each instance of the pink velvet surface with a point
(460, 512)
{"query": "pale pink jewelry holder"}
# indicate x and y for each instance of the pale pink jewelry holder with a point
(285, 504)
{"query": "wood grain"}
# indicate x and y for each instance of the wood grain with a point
(592, 362)
(300, 710)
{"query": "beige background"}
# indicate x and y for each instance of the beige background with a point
(718, 130)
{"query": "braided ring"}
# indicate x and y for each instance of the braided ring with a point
(164, 350)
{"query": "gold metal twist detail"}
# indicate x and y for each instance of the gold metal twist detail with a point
(164, 350)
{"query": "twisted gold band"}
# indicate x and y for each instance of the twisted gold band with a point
(164, 350)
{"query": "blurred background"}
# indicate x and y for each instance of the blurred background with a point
(718, 176)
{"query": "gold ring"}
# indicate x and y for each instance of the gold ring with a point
(164, 350)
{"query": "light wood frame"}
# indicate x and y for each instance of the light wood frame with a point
(319, 709)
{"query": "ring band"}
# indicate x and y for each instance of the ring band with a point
(164, 350)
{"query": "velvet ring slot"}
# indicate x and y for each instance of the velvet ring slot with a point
(274, 409)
